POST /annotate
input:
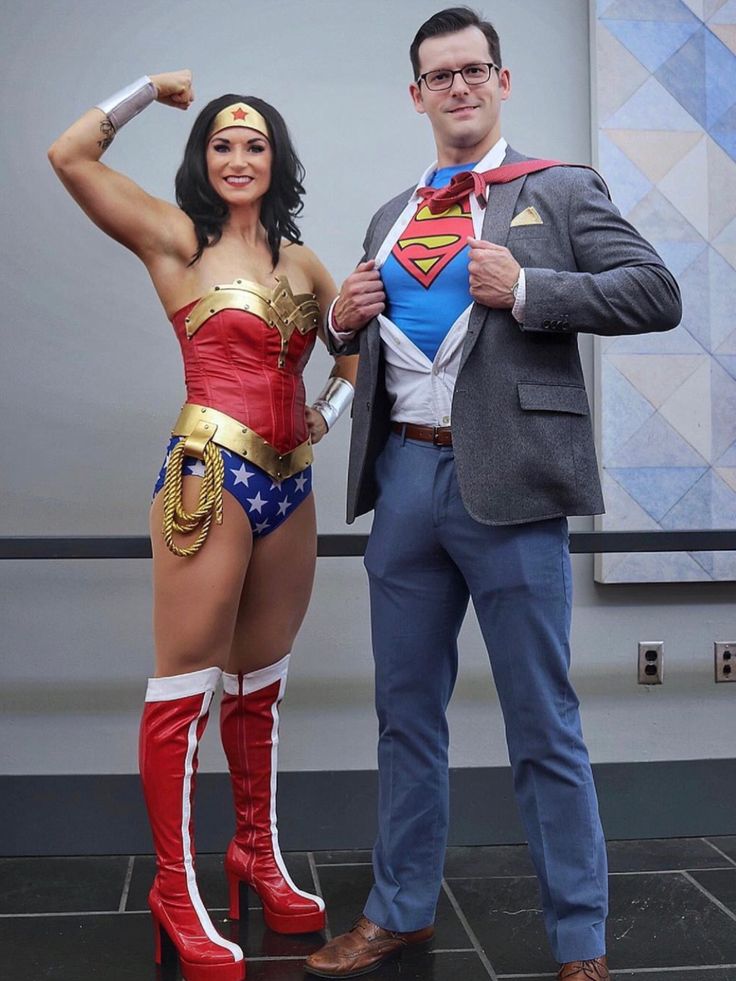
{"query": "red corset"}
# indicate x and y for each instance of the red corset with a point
(244, 348)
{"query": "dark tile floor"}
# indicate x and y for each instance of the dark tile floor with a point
(673, 916)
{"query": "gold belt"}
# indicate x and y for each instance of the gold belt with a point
(200, 424)
(204, 430)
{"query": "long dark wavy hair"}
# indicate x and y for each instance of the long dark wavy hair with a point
(281, 204)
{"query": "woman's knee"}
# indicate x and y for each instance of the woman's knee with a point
(171, 663)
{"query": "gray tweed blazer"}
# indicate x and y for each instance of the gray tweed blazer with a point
(522, 433)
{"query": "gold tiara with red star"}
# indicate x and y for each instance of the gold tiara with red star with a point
(240, 114)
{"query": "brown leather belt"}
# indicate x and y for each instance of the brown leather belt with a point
(439, 435)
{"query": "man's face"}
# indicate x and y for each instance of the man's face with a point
(464, 117)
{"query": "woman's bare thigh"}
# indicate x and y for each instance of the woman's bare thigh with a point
(196, 598)
(276, 592)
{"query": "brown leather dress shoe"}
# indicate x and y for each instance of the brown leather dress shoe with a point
(362, 950)
(595, 970)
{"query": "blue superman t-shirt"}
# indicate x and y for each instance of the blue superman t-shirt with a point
(426, 275)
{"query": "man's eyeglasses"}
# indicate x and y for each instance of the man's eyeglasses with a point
(443, 78)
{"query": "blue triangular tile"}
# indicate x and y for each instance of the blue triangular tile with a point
(720, 11)
(727, 459)
(658, 567)
(664, 10)
(724, 132)
(723, 503)
(652, 107)
(724, 566)
(722, 283)
(720, 67)
(694, 509)
(677, 341)
(656, 444)
(684, 77)
(696, 298)
(678, 256)
(728, 361)
(652, 42)
(622, 511)
(657, 489)
(710, 504)
(626, 182)
(706, 559)
(624, 410)
(660, 221)
(723, 407)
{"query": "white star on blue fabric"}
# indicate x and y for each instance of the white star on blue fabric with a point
(256, 503)
(284, 505)
(261, 527)
(275, 485)
(300, 482)
(242, 476)
(196, 469)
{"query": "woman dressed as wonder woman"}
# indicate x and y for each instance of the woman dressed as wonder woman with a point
(232, 520)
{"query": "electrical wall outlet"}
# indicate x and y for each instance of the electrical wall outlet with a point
(725, 660)
(651, 662)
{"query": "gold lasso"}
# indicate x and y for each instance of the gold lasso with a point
(176, 518)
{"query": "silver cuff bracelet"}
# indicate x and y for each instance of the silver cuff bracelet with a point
(334, 398)
(128, 102)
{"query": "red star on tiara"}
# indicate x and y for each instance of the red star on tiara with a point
(239, 113)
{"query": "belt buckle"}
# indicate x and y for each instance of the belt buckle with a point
(199, 437)
(436, 436)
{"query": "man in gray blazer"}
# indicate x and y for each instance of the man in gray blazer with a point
(472, 440)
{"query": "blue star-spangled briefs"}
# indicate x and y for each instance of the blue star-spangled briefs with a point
(267, 504)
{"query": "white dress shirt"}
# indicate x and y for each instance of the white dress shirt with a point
(421, 390)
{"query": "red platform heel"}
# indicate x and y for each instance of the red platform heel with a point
(249, 724)
(174, 719)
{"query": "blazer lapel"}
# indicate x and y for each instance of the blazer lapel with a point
(371, 341)
(385, 221)
(500, 209)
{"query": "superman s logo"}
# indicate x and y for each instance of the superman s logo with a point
(430, 242)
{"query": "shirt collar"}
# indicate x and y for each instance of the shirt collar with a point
(493, 159)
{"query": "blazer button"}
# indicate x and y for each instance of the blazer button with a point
(545, 323)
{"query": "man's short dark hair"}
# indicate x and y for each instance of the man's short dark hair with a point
(450, 21)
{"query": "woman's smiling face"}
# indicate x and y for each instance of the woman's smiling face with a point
(239, 164)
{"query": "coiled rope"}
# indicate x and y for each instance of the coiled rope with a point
(179, 520)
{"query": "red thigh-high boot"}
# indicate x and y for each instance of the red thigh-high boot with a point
(249, 723)
(174, 719)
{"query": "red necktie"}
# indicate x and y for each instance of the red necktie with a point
(475, 182)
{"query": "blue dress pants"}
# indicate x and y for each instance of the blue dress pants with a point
(425, 558)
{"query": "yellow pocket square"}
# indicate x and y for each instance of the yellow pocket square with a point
(529, 216)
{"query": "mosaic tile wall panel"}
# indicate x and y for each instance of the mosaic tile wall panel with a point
(666, 403)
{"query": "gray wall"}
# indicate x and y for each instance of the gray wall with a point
(90, 379)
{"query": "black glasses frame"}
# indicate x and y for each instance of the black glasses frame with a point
(457, 71)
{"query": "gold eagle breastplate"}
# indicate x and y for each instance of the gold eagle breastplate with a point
(279, 308)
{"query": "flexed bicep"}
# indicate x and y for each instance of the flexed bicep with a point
(114, 202)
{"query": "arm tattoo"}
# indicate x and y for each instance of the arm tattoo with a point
(108, 134)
